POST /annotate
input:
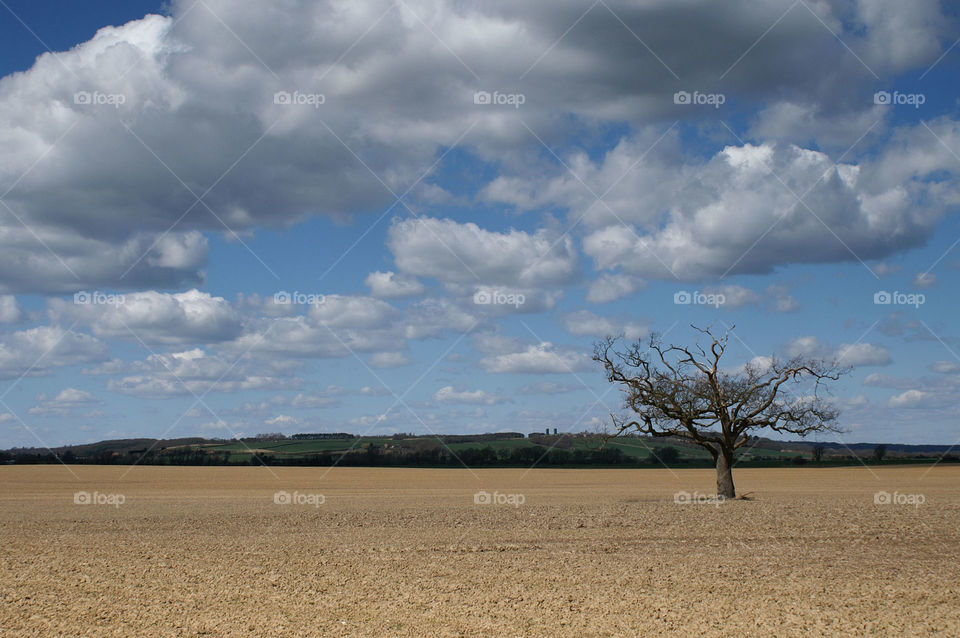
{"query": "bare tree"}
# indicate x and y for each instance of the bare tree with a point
(683, 392)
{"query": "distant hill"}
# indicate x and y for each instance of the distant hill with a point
(472, 450)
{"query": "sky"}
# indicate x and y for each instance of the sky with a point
(222, 218)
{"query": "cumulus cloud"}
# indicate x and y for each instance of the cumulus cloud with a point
(863, 354)
(755, 207)
(327, 398)
(909, 399)
(116, 194)
(449, 251)
(282, 420)
(156, 318)
(196, 372)
(734, 296)
(388, 359)
(343, 325)
(610, 287)
(586, 323)
(391, 285)
(900, 36)
(855, 355)
(448, 394)
(945, 367)
(819, 123)
(718, 229)
(781, 299)
(66, 403)
(10, 310)
(544, 358)
(36, 351)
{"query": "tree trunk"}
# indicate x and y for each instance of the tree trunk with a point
(725, 487)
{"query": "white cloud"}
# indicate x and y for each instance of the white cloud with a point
(744, 215)
(344, 325)
(909, 399)
(195, 372)
(855, 355)
(156, 318)
(448, 394)
(544, 358)
(33, 352)
(391, 285)
(610, 287)
(821, 123)
(708, 235)
(198, 94)
(900, 36)
(734, 296)
(10, 310)
(282, 420)
(388, 359)
(341, 325)
(433, 317)
(452, 252)
(945, 367)
(782, 300)
(327, 398)
(863, 354)
(67, 402)
(586, 323)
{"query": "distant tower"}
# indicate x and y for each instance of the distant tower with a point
(546, 431)
(554, 430)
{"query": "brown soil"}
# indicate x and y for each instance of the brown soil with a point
(207, 551)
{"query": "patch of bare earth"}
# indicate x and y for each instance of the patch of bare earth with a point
(208, 551)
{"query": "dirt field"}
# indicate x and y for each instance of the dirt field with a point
(408, 552)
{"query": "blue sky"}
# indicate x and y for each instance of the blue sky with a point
(172, 172)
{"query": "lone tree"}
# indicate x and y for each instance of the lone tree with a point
(683, 392)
